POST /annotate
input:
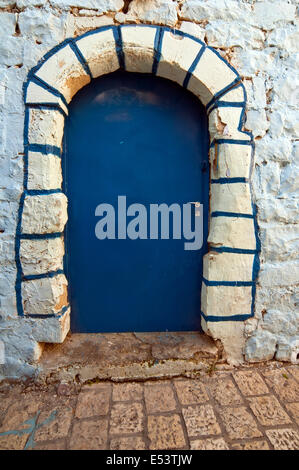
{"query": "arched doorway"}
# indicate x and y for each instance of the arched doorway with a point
(145, 138)
(231, 265)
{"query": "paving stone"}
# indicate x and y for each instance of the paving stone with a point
(209, 444)
(52, 445)
(5, 402)
(13, 442)
(252, 445)
(126, 418)
(19, 422)
(94, 401)
(294, 371)
(18, 413)
(165, 432)
(128, 443)
(159, 398)
(53, 424)
(293, 409)
(239, 423)
(225, 392)
(190, 392)
(200, 421)
(268, 411)
(250, 383)
(89, 434)
(128, 391)
(283, 384)
(283, 439)
(4, 405)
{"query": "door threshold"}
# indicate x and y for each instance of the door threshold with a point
(127, 356)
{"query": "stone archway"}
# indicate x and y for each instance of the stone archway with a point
(230, 266)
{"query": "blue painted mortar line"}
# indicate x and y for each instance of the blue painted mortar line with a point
(229, 180)
(231, 214)
(214, 318)
(193, 67)
(119, 46)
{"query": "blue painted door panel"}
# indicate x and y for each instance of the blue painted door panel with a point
(146, 138)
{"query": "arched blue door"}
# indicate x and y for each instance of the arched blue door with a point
(145, 138)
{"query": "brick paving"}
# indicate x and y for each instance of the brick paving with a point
(239, 409)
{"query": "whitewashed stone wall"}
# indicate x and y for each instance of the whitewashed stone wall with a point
(259, 38)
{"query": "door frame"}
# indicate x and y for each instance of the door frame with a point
(231, 266)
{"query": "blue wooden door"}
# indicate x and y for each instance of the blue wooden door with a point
(145, 138)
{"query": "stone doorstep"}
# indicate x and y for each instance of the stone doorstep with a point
(126, 356)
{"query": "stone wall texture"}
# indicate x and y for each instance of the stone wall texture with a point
(260, 39)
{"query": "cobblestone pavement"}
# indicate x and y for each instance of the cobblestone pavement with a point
(252, 408)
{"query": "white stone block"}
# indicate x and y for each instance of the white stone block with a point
(138, 47)
(11, 50)
(64, 72)
(281, 298)
(210, 76)
(234, 232)
(177, 56)
(260, 347)
(232, 197)
(268, 14)
(276, 125)
(279, 210)
(236, 94)
(6, 250)
(13, 135)
(256, 122)
(227, 267)
(281, 323)
(153, 11)
(223, 33)
(288, 351)
(82, 24)
(19, 346)
(102, 6)
(224, 120)
(13, 79)
(44, 171)
(199, 10)
(280, 241)
(34, 52)
(256, 92)
(279, 274)
(41, 256)
(30, 3)
(7, 23)
(231, 335)
(99, 52)
(289, 181)
(41, 25)
(44, 214)
(230, 161)
(50, 330)
(45, 127)
(267, 179)
(37, 94)
(44, 296)
(248, 61)
(225, 301)
(286, 37)
(194, 29)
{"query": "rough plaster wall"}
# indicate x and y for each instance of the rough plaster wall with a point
(259, 38)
